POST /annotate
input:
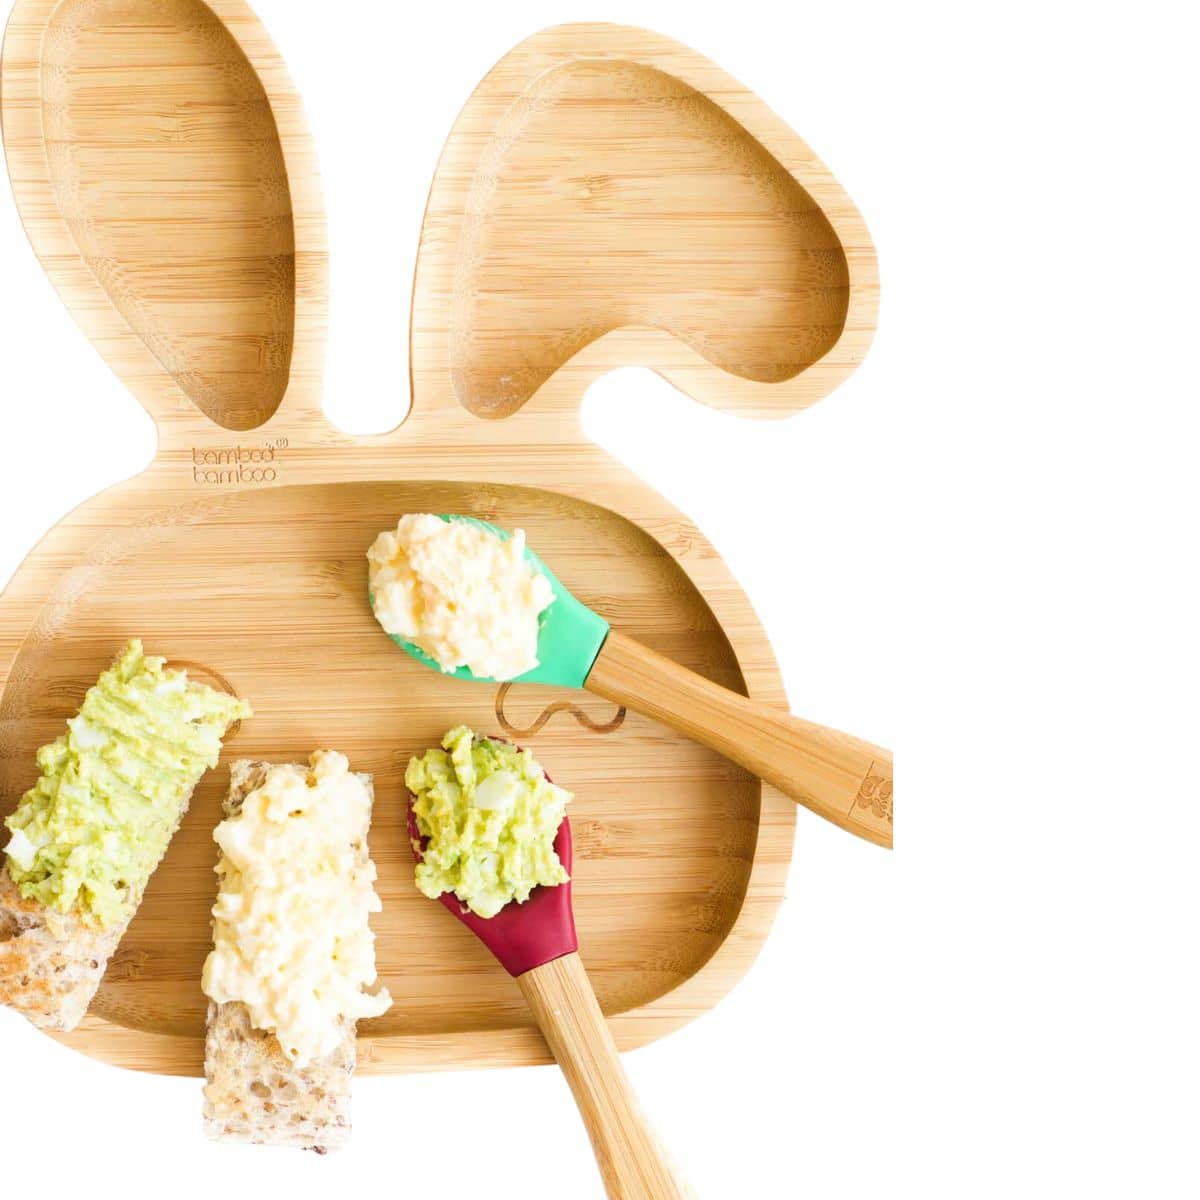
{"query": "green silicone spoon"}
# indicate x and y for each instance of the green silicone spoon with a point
(841, 778)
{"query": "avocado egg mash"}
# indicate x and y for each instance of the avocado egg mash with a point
(461, 593)
(113, 788)
(290, 927)
(491, 817)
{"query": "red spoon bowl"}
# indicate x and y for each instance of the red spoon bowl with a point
(521, 936)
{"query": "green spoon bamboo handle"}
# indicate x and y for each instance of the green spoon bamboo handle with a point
(631, 1160)
(841, 778)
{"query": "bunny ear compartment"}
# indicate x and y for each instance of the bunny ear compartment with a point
(633, 205)
(161, 168)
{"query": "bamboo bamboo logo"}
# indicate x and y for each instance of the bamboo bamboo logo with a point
(224, 465)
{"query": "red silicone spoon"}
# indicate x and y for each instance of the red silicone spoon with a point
(536, 943)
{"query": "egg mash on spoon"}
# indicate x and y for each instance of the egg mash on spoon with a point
(461, 593)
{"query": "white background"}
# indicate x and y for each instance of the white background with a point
(980, 550)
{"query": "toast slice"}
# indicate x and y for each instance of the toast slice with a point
(53, 958)
(253, 1092)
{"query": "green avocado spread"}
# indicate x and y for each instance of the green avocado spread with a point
(88, 835)
(491, 817)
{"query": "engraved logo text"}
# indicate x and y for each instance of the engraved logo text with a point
(225, 465)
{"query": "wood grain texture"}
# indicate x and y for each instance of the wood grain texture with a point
(632, 1162)
(841, 778)
(745, 269)
(191, 233)
(242, 553)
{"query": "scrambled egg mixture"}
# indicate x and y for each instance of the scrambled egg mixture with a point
(464, 595)
(88, 835)
(290, 932)
(491, 817)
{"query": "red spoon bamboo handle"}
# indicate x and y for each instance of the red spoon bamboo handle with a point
(631, 1161)
(841, 778)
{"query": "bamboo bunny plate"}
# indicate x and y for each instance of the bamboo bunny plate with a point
(607, 197)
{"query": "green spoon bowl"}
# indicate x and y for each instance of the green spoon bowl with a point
(570, 635)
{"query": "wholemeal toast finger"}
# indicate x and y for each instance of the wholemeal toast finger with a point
(86, 838)
(253, 1091)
